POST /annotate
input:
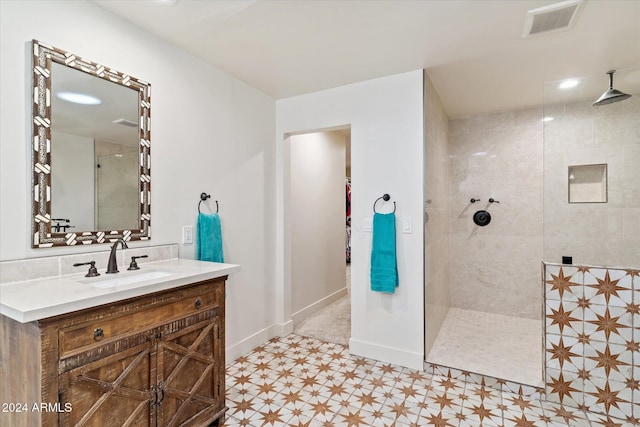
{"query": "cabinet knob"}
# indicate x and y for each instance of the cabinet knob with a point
(98, 334)
(198, 303)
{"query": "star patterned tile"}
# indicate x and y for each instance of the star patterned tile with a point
(564, 352)
(296, 381)
(612, 287)
(592, 344)
(563, 283)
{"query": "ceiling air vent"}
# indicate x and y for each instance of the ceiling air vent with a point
(554, 17)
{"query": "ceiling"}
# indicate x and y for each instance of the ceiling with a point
(472, 50)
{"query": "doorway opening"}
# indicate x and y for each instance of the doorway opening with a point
(319, 219)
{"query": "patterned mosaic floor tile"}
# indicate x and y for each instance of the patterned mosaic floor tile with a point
(320, 384)
(563, 415)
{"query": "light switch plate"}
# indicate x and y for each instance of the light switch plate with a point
(407, 225)
(368, 224)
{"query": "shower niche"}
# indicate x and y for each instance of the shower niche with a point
(588, 183)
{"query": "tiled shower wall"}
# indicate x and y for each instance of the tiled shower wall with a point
(117, 186)
(496, 268)
(580, 134)
(592, 339)
(437, 215)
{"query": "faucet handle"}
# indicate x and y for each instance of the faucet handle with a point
(134, 264)
(93, 271)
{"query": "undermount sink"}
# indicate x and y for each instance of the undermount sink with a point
(126, 279)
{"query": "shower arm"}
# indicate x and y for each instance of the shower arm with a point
(611, 78)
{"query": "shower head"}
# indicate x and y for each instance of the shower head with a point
(611, 95)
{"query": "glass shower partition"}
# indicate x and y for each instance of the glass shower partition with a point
(592, 246)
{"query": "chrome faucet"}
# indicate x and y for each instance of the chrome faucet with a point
(112, 265)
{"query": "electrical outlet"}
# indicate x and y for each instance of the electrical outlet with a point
(187, 234)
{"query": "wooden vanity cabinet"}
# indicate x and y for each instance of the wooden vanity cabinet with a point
(155, 360)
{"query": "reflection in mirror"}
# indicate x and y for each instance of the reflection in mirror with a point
(91, 152)
(94, 152)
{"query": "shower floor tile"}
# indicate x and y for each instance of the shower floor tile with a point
(499, 346)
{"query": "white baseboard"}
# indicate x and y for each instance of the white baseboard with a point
(395, 356)
(243, 347)
(311, 309)
(284, 329)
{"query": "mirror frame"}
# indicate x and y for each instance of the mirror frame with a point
(42, 237)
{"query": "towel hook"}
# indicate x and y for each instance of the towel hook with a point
(203, 197)
(386, 198)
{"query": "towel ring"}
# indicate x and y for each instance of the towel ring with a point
(386, 198)
(205, 196)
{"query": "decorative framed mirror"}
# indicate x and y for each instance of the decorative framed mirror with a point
(91, 150)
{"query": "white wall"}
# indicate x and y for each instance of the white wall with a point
(318, 263)
(386, 118)
(210, 132)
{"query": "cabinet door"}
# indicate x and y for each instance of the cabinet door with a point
(113, 391)
(189, 383)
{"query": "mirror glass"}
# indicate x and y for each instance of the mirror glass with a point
(94, 152)
(91, 152)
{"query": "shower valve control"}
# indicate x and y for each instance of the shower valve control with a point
(482, 218)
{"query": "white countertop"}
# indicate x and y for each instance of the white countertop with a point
(31, 300)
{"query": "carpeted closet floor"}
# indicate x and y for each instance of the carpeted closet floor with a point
(332, 323)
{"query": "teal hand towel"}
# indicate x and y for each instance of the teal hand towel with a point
(209, 238)
(384, 268)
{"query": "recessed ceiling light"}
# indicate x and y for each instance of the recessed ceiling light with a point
(567, 84)
(166, 2)
(79, 98)
(547, 119)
